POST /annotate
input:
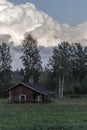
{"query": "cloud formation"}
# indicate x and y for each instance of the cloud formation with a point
(15, 20)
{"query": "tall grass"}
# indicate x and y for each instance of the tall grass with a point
(62, 114)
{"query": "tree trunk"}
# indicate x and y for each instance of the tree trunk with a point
(59, 86)
(62, 87)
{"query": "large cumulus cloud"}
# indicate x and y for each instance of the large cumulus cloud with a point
(15, 20)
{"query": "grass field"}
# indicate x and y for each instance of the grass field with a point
(63, 114)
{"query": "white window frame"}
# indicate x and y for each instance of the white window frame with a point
(39, 98)
(21, 96)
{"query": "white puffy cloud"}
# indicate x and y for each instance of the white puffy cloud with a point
(15, 20)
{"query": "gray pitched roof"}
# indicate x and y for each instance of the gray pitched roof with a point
(35, 87)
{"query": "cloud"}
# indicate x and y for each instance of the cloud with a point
(70, 20)
(5, 38)
(45, 53)
(16, 52)
(15, 20)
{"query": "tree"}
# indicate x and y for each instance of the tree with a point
(78, 66)
(68, 66)
(5, 67)
(79, 61)
(31, 59)
(58, 64)
(17, 75)
(5, 57)
(46, 79)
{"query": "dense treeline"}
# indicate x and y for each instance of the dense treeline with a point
(67, 69)
(5, 68)
(65, 73)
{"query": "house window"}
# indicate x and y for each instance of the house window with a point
(39, 98)
(22, 98)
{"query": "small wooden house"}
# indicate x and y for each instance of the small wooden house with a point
(28, 92)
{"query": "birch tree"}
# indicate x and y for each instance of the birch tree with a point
(31, 58)
(60, 64)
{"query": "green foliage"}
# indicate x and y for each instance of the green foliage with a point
(79, 61)
(60, 57)
(31, 59)
(58, 65)
(5, 57)
(84, 85)
(5, 68)
(68, 67)
(46, 79)
(17, 76)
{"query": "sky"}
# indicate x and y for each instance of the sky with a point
(50, 22)
(72, 12)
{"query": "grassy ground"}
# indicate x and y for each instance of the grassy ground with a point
(64, 114)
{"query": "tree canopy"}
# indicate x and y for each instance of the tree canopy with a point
(31, 58)
(5, 67)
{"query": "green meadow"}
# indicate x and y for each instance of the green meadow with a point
(61, 114)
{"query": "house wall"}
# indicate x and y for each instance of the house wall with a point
(19, 91)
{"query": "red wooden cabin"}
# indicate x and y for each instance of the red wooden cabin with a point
(28, 92)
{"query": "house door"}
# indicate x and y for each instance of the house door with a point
(22, 98)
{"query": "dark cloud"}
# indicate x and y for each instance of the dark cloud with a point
(5, 38)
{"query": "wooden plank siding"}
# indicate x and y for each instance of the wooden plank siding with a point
(21, 90)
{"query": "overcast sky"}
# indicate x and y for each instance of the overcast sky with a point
(65, 11)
